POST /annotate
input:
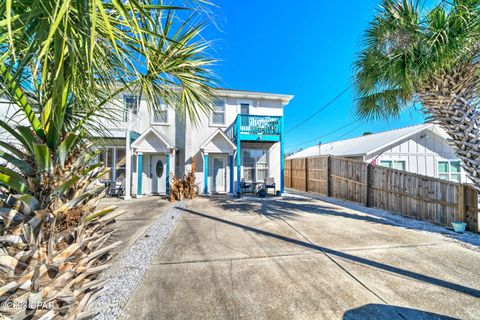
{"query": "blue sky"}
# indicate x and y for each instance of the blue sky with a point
(305, 48)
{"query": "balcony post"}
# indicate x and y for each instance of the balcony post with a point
(239, 165)
(282, 159)
(139, 173)
(231, 173)
(205, 174)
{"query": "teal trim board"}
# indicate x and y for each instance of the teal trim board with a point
(205, 175)
(282, 159)
(231, 173)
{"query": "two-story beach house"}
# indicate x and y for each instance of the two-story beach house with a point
(240, 141)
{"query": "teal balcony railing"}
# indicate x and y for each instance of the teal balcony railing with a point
(255, 127)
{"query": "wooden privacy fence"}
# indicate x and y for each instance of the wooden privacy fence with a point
(413, 195)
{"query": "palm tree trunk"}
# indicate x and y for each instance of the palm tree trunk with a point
(457, 111)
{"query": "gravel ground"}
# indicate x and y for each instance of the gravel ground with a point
(467, 240)
(128, 269)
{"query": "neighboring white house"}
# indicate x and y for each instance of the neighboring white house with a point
(241, 139)
(421, 149)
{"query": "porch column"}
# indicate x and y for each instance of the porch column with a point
(282, 159)
(139, 173)
(239, 166)
(128, 166)
(205, 174)
(168, 174)
(231, 173)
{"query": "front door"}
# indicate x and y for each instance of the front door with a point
(158, 174)
(219, 174)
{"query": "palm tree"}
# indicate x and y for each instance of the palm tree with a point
(430, 57)
(62, 62)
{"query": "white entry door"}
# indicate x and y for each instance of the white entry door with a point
(218, 176)
(158, 174)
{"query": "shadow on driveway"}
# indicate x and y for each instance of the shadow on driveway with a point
(283, 208)
(406, 273)
(382, 311)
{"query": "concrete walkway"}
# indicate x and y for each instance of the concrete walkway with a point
(138, 215)
(299, 258)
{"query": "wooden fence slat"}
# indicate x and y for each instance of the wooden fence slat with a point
(410, 194)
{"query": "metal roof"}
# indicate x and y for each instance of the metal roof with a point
(366, 144)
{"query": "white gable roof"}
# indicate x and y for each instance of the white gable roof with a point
(152, 141)
(367, 144)
(218, 142)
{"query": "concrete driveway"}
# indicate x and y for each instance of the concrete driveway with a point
(298, 258)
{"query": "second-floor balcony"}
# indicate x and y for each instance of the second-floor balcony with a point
(254, 128)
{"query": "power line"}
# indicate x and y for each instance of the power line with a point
(321, 109)
(348, 132)
(326, 134)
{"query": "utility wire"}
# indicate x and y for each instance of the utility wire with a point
(326, 134)
(321, 109)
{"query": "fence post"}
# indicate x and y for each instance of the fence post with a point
(369, 185)
(462, 205)
(291, 173)
(329, 183)
(306, 174)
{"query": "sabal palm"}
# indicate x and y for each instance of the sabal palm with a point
(61, 61)
(429, 57)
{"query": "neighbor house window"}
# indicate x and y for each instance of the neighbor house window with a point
(130, 105)
(394, 164)
(218, 115)
(160, 114)
(450, 170)
(255, 164)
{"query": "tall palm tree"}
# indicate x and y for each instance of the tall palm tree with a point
(431, 57)
(63, 61)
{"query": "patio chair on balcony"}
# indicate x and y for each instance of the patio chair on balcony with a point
(270, 184)
(245, 186)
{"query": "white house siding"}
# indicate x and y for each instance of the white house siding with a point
(178, 131)
(421, 153)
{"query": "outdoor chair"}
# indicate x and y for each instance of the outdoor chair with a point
(270, 184)
(245, 186)
(117, 189)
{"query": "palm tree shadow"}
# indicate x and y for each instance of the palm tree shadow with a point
(284, 208)
(350, 257)
(291, 207)
(382, 311)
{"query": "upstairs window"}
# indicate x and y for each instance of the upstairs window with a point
(450, 170)
(130, 102)
(394, 164)
(244, 108)
(160, 114)
(218, 115)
